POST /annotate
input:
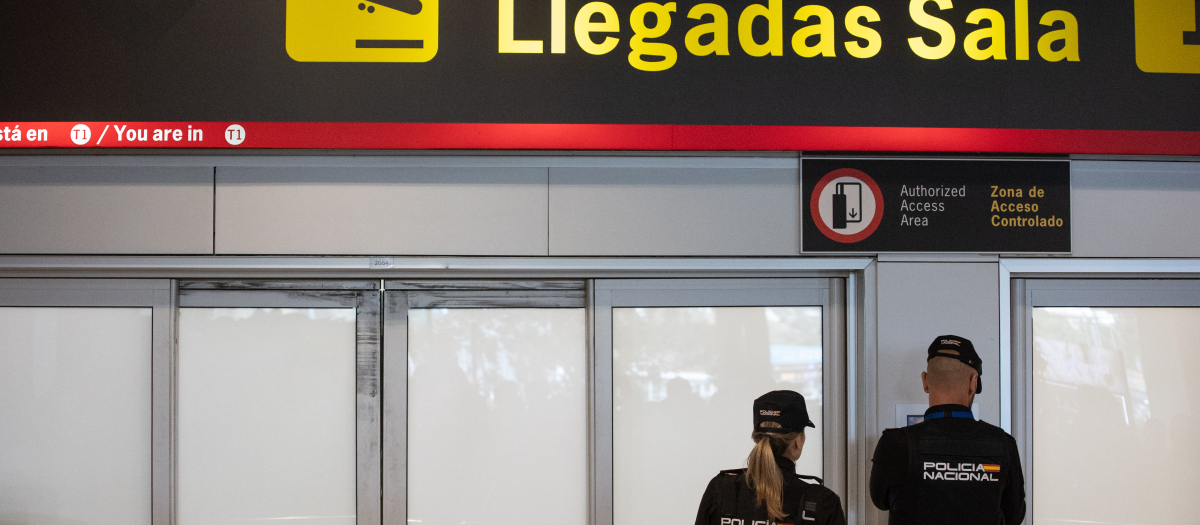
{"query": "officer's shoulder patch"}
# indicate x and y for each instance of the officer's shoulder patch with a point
(821, 495)
(734, 472)
(818, 481)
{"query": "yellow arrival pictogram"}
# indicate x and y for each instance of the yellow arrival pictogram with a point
(361, 31)
(1168, 40)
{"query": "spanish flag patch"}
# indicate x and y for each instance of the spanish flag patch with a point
(991, 468)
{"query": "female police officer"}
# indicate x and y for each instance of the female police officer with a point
(770, 491)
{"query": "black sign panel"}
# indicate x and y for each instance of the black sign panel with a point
(936, 206)
(1012, 64)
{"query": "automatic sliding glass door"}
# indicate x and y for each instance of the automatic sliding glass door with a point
(685, 359)
(487, 403)
(278, 403)
(432, 402)
(1108, 406)
(84, 410)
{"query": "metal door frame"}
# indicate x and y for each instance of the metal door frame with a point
(402, 295)
(209, 275)
(158, 295)
(1028, 294)
(828, 293)
(364, 297)
(1015, 276)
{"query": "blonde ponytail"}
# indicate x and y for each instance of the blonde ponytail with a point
(763, 474)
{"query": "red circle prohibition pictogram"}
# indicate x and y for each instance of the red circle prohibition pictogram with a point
(815, 205)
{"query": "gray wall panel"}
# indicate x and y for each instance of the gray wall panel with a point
(1135, 209)
(920, 301)
(106, 210)
(365, 211)
(664, 211)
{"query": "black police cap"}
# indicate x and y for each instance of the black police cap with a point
(784, 407)
(961, 349)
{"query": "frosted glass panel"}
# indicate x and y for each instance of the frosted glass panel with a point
(684, 382)
(497, 416)
(266, 416)
(75, 416)
(1115, 419)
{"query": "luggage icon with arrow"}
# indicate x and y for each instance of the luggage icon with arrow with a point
(362, 31)
(847, 204)
(1167, 35)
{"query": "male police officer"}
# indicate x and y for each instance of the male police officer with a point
(950, 469)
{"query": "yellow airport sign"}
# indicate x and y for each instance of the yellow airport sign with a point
(1168, 40)
(361, 31)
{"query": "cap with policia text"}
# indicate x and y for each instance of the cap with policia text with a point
(959, 348)
(784, 407)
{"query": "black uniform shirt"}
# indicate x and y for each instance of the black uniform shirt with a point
(894, 474)
(728, 500)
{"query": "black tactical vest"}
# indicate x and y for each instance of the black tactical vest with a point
(738, 504)
(954, 477)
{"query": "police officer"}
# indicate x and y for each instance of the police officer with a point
(949, 469)
(770, 491)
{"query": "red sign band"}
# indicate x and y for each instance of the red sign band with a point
(406, 136)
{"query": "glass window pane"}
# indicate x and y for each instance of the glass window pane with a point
(497, 416)
(75, 415)
(266, 416)
(1114, 428)
(684, 381)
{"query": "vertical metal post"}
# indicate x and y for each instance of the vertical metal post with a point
(854, 446)
(162, 404)
(368, 418)
(835, 386)
(602, 408)
(395, 408)
(1006, 354)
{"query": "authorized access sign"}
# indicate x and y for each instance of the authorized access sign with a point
(854, 205)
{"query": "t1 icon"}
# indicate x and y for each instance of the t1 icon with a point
(81, 134)
(847, 204)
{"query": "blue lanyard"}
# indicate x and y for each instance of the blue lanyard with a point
(960, 415)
